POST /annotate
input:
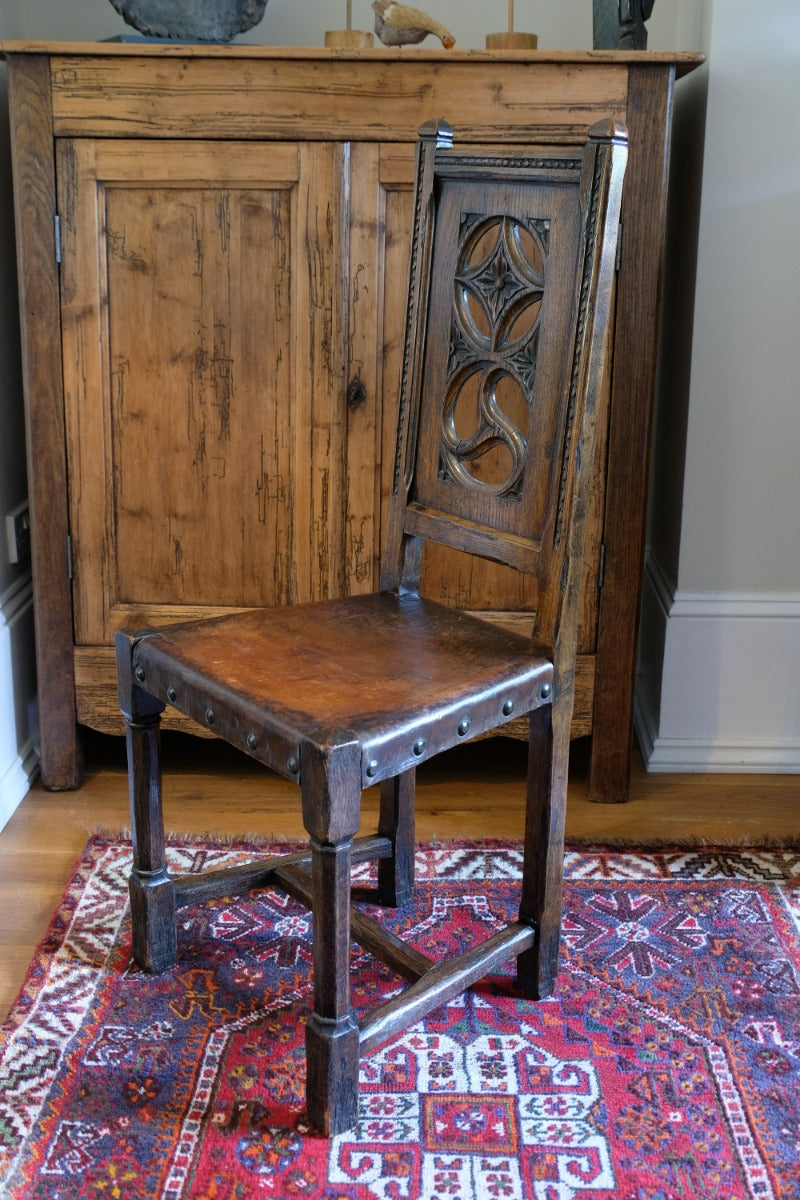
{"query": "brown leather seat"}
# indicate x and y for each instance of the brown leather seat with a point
(510, 297)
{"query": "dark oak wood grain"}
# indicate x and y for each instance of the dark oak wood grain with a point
(40, 321)
(152, 890)
(511, 283)
(396, 873)
(635, 346)
(370, 934)
(442, 982)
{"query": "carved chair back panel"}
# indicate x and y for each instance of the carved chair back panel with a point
(511, 286)
(496, 370)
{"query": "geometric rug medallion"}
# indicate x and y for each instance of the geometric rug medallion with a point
(666, 1066)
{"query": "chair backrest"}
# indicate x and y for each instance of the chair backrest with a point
(511, 282)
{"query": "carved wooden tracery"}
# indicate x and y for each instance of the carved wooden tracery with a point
(498, 289)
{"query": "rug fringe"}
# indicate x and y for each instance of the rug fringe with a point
(689, 842)
(595, 844)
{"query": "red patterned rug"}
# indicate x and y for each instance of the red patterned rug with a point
(667, 1066)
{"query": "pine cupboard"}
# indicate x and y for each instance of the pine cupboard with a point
(212, 254)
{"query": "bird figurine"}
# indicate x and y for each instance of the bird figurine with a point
(400, 25)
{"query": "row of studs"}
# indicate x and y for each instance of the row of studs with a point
(209, 716)
(420, 746)
(418, 749)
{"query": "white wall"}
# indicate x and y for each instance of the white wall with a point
(741, 457)
(722, 600)
(563, 25)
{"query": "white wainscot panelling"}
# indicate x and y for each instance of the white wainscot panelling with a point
(19, 756)
(726, 696)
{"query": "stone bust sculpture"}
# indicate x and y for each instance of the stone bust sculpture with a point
(193, 20)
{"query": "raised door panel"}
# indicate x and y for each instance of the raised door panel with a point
(203, 318)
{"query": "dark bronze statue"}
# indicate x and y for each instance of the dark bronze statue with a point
(620, 24)
(191, 20)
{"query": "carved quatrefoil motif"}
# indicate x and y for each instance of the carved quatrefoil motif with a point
(499, 284)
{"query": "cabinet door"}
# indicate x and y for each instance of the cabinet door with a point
(448, 575)
(204, 313)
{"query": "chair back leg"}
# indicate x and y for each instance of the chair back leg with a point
(151, 890)
(396, 821)
(543, 855)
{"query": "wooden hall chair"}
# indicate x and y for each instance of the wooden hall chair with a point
(510, 296)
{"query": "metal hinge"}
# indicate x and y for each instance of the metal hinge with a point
(70, 563)
(619, 246)
(57, 231)
(601, 570)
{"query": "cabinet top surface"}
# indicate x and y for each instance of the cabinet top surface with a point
(684, 61)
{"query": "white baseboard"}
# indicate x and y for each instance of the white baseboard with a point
(19, 755)
(16, 782)
(725, 694)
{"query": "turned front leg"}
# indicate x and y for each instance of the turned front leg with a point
(331, 789)
(332, 1033)
(151, 890)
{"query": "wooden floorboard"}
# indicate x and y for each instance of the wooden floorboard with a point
(473, 792)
